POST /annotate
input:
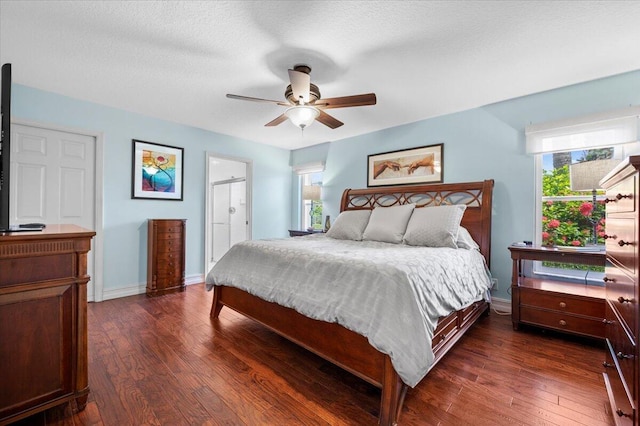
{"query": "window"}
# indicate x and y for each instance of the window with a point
(309, 196)
(571, 158)
(311, 208)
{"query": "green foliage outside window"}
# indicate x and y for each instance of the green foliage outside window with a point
(316, 216)
(569, 223)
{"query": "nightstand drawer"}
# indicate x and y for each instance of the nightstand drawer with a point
(621, 244)
(621, 294)
(563, 321)
(562, 303)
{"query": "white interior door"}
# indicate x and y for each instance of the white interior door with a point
(53, 180)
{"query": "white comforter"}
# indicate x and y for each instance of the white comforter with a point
(393, 294)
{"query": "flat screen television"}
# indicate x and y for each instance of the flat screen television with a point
(5, 146)
(5, 160)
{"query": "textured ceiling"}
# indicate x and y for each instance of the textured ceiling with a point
(176, 60)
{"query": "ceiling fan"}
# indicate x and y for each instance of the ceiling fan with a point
(305, 104)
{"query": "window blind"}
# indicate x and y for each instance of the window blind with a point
(586, 132)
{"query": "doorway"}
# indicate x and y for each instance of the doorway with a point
(228, 205)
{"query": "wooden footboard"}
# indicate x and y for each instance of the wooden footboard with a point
(343, 347)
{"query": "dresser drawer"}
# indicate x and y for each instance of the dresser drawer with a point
(169, 246)
(168, 236)
(620, 197)
(621, 406)
(622, 348)
(562, 303)
(621, 294)
(169, 226)
(563, 321)
(621, 244)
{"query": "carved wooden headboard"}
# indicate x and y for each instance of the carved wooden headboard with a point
(476, 195)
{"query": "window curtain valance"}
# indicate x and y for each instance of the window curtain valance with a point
(303, 169)
(586, 132)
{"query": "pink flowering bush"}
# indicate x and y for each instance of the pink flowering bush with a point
(569, 222)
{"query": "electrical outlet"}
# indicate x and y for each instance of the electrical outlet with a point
(494, 283)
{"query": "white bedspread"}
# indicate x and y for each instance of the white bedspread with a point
(393, 294)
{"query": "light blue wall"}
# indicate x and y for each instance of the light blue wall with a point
(482, 143)
(124, 218)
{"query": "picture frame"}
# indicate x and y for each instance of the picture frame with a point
(406, 167)
(157, 171)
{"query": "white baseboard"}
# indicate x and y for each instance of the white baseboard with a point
(501, 305)
(134, 290)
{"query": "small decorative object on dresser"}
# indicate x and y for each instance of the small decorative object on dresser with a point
(621, 280)
(559, 305)
(165, 256)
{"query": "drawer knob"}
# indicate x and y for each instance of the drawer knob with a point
(563, 323)
(607, 365)
(621, 413)
(620, 355)
(607, 322)
(623, 243)
(563, 305)
(623, 300)
(608, 280)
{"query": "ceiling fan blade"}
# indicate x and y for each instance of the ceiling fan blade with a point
(248, 98)
(300, 83)
(346, 101)
(279, 119)
(328, 120)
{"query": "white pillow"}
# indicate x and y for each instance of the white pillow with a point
(387, 224)
(465, 240)
(349, 225)
(435, 226)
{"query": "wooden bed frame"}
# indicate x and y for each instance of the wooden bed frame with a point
(352, 351)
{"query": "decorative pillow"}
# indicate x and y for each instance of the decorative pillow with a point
(465, 240)
(435, 226)
(387, 224)
(349, 225)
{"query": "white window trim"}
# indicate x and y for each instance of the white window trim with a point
(619, 126)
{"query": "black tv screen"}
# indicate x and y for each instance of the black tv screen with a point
(5, 146)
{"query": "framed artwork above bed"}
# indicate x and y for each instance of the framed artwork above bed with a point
(406, 167)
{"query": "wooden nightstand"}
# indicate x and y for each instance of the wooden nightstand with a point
(300, 232)
(559, 305)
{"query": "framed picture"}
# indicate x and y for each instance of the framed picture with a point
(406, 167)
(157, 171)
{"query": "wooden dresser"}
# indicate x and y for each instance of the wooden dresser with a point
(165, 256)
(621, 280)
(43, 320)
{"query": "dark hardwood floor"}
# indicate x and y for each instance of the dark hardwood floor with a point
(162, 361)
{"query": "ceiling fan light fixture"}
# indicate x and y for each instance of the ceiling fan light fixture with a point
(302, 115)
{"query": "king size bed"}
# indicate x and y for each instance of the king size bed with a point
(396, 281)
